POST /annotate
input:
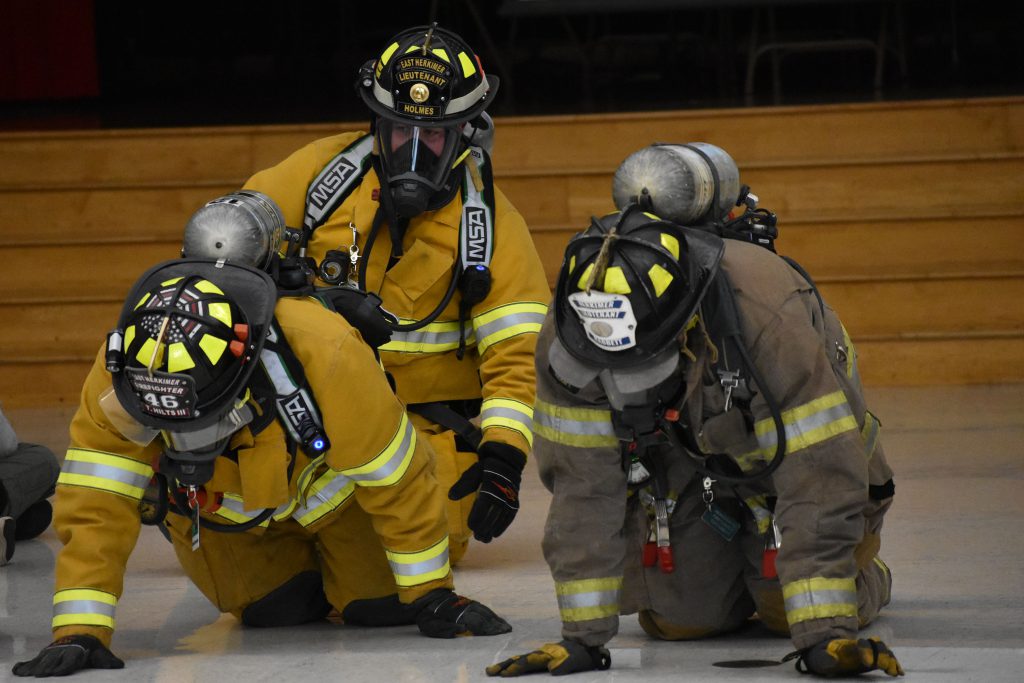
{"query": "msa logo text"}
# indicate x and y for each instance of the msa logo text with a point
(295, 408)
(476, 234)
(331, 181)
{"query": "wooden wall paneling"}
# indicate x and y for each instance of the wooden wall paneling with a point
(906, 246)
(96, 216)
(976, 360)
(945, 306)
(35, 332)
(969, 129)
(50, 383)
(78, 272)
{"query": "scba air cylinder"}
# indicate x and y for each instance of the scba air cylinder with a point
(243, 227)
(691, 184)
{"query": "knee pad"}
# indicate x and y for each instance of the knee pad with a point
(298, 600)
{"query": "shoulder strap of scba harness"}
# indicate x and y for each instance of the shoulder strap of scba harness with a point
(295, 404)
(347, 169)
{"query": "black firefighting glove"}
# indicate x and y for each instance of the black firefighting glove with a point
(566, 657)
(443, 614)
(846, 657)
(495, 477)
(68, 655)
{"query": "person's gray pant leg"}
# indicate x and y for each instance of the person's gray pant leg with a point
(27, 475)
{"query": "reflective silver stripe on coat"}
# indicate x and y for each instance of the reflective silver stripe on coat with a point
(105, 472)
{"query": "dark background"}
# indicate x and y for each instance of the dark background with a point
(110, 64)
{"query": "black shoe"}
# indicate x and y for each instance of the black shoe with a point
(7, 529)
(34, 521)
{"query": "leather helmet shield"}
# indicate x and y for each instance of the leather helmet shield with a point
(251, 291)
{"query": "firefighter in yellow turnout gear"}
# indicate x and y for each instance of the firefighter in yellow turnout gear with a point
(410, 212)
(701, 425)
(351, 513)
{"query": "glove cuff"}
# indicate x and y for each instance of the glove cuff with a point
(598, 654)
(511, 456)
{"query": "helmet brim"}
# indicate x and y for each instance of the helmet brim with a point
(380, 109)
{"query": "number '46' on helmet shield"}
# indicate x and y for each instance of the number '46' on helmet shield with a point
(422, 88)
(628, 285)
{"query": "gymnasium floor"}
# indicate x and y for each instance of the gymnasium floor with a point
(952, 539)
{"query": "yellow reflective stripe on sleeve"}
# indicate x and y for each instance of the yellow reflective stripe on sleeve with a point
(579, 427)
(505, 322)
(413, 569)
(506, 412)
(851, 353)
(586, 599)
(437, 337)
(819, 598)
(808, 424)
(388, 466)
(869, 434)
(326, 494)
(84, 607)
(758, 506)
(105, 472)
(232, 508)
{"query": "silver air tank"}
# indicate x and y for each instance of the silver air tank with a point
(680, 182)
(243, 227)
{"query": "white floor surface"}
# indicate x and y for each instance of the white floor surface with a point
(953, 540)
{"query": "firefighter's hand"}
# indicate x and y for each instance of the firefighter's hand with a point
(566, 657)
(443, 614)
(495, 478)
(68, 655)
(847, 657)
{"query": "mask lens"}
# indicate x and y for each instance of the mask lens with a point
(422, 151)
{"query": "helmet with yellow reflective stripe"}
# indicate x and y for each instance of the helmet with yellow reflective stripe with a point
(628, 286)
(423, 88)
(191, 331)
(427, 75)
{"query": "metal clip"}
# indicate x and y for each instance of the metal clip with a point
(353, 256)
(729, 381)
(841, 354)
(708, 495)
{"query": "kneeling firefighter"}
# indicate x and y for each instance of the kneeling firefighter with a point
(215, 407)
(701, 425)
(411, 212)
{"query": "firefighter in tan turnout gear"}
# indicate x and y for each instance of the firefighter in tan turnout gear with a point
(214, 409)
(701, 425)
(410, 212)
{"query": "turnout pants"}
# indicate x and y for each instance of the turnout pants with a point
(287, 574)
(450, 464)
(28, 474)
(717, 584)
